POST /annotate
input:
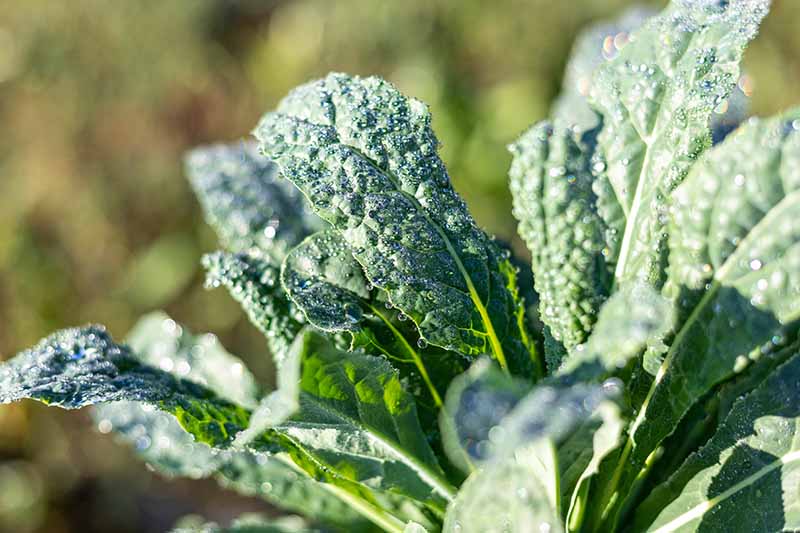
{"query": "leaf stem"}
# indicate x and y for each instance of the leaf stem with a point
(557, 478)
(494, 341)
(433, 479)
(374, 514)
(623, 458)
(414, 356)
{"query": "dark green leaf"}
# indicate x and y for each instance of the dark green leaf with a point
(77, 367)
(245, 200)
(357, 428)
(551, 181)
(747, 476)
(365, 156)
(734, 269)
(160, 441)
(357, 420)
(635, 316)
(328, 285)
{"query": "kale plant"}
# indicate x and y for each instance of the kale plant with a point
(657, 388)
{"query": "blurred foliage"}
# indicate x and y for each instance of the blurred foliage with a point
(98, 102)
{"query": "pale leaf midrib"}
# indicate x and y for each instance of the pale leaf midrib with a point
(648, 141)
(414, 355)
(374, 514)
(433, 480)
(718, 279)
(494, 340)
(702, 508)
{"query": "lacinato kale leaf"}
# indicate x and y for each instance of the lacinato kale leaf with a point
(366, 158)
(410, 397)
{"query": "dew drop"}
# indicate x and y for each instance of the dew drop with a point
(142, 442)
(183, 368)
(422, 343)
(613, 386)
(352, 313)
(105, 426)
(169, 325)
(268, 278)
(756, 264)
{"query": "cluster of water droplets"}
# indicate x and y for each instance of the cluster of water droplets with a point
(76, 367)
(553, 180)
(376, 177)
(157, 437)
(323, 278)
(245, 199)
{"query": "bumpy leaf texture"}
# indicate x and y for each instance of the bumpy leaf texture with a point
(254, 282)
(356, 430)
(245, 200)
(78, 367)
(328, 285)
(551, 181)
(365, 156)
(655, 100)
(735, 270)
(357, 421)
(600, 43)
(634, 317)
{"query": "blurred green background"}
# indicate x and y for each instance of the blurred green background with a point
(98, 102)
